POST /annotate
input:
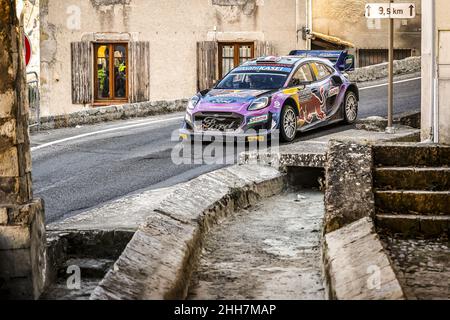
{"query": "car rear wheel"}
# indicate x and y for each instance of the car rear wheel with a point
(288, 126)
(350, 107)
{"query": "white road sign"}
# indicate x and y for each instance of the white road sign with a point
(390, 10)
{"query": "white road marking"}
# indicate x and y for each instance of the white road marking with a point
(385, 84)
(45, 145)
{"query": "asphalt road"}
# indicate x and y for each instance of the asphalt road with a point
(79, 168)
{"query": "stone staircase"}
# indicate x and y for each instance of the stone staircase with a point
(412, 190)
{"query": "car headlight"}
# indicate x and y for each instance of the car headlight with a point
(259, 104)
(193, 102)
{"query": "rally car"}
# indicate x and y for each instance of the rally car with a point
(298, 92)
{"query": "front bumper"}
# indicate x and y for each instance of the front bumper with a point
(217, 136)
(251, 127)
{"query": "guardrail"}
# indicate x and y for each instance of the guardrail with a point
(34, 99)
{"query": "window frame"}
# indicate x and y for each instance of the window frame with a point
(316, 76)
(111, 99)
(236, 57)
(289, 83)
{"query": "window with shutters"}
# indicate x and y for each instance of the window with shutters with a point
(215, 60)
(232, 55)
(110, 72)
(104, 73)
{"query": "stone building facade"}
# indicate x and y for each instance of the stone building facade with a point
(109, 52)
(160, 50)
(345, 19)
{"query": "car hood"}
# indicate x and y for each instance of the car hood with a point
(220, 99)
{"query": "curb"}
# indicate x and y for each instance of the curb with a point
(356, 265)
(111, 113)
(158, 262)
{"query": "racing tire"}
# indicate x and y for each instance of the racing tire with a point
(288, 124)
(350, 107)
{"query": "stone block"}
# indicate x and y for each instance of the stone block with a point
(348, 195)
(357, 268)
(15, 263)
(7, 101)
(377, 124)
(411, 154)
(7, 133)
(9, 160)
(14, 237)
(3, 216)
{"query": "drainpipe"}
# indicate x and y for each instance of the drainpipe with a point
(435, 67)
(309, 19)
(297, 19)
(429, 53)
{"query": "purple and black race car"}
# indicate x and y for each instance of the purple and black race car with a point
(299, 92)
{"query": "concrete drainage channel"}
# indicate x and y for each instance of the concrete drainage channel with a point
(246, 232)
(87, 255)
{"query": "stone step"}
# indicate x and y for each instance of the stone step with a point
(411, 155)
(410, 226)
(413, 202)
(393, 178)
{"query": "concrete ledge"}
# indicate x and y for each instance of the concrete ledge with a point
(110, 113)
(356, 265)
(159, 260)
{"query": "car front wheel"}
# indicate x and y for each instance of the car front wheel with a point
(350, 107)
(288, 127)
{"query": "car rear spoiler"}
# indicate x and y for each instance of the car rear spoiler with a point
(341, 59)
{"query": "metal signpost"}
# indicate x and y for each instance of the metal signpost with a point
(391, 11)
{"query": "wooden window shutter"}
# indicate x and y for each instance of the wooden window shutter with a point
(207, 64)
(82, 64)
(139, 72)
(264, 48)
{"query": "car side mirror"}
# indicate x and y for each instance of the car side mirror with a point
(349, 63)
(337, 81)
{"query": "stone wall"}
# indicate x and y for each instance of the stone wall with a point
(22, 230)
(349, 196)
(111, 113)
(380, 71)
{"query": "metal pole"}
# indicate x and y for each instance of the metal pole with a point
(390, 127)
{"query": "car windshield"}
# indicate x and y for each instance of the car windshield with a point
(253, 81)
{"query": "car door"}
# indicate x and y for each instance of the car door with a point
(302, 81)
(320, 89)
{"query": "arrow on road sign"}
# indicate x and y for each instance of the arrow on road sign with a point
(368, 10)
(411, 8)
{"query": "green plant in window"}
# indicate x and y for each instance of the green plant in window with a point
(101, 78)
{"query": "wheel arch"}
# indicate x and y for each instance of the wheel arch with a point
(353, 88)
(290, 101)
